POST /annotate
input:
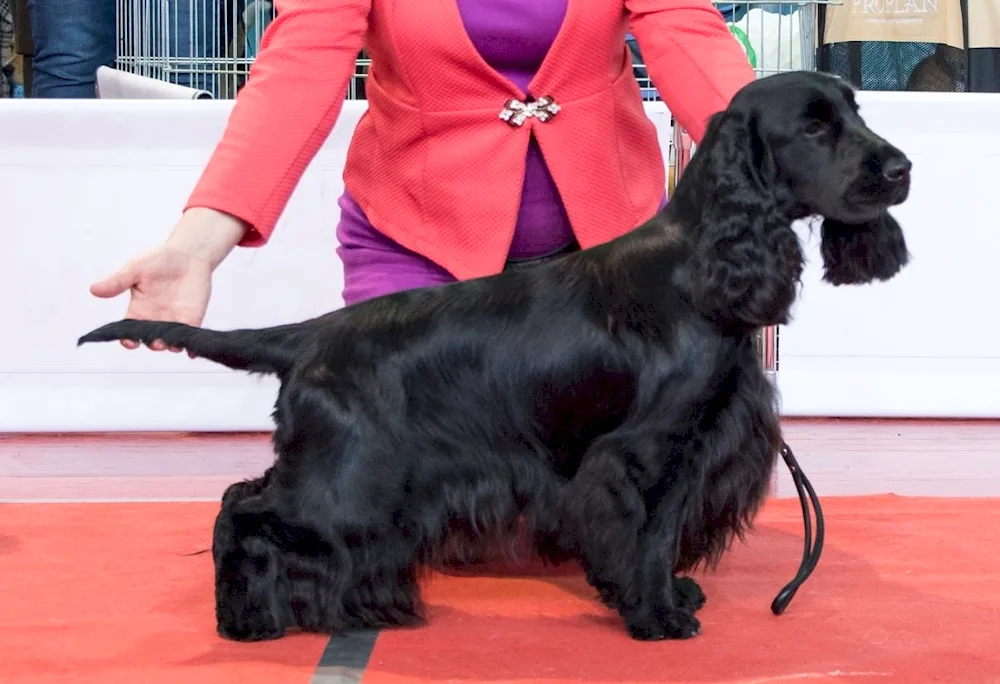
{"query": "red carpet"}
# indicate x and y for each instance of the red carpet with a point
(908, 591)
(101, 594)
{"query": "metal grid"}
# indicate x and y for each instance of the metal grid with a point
(211, 44)
(777, 37)
(204, 44)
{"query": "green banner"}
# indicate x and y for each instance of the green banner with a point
(742, 39)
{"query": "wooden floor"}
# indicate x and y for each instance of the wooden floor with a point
(929, 458)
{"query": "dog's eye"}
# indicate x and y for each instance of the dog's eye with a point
(815, 128)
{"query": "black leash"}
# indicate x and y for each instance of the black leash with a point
(812, 552)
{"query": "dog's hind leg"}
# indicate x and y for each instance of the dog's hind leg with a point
(249, 600)
(628, 537)
(384, 589)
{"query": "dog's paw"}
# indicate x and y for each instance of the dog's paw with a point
(669, 623)
(250, 633)
(688, 596)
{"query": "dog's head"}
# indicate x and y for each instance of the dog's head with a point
(813, 150)
(813, 153)
(788, 146)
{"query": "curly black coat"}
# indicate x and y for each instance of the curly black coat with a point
(612, 398)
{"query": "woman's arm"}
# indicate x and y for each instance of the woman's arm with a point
(692, 59)
(283, 115)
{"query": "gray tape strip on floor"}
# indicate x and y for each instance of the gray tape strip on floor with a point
(345, 658)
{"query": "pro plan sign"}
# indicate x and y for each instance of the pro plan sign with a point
(896, 21)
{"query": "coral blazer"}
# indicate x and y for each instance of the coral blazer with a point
(431, 162)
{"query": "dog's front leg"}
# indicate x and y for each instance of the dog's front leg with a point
(667, 602)
(628, 543)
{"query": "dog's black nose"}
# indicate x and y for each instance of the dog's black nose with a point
(896, 169)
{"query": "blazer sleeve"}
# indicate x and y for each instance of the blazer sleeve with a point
(285, 112)
(694, 62)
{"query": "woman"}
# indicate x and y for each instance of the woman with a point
(439, 186)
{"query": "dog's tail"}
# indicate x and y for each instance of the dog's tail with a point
(270, 351)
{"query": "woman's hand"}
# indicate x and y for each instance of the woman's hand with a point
(166, 284)
(174, 281)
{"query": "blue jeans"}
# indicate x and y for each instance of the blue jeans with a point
(72, 39)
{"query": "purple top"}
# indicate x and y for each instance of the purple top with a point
(513, 37)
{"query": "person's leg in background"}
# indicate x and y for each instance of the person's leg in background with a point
(23, 44)
(72, 39)
(6, 48)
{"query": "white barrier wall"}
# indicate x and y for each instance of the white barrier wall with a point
(86, 185)
(927, 343)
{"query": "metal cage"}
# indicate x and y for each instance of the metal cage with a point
(204, 44)
(211, 44)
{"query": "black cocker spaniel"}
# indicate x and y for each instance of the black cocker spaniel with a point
(613, 398)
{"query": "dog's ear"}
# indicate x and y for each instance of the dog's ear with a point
(859, 254)
(748, 260)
